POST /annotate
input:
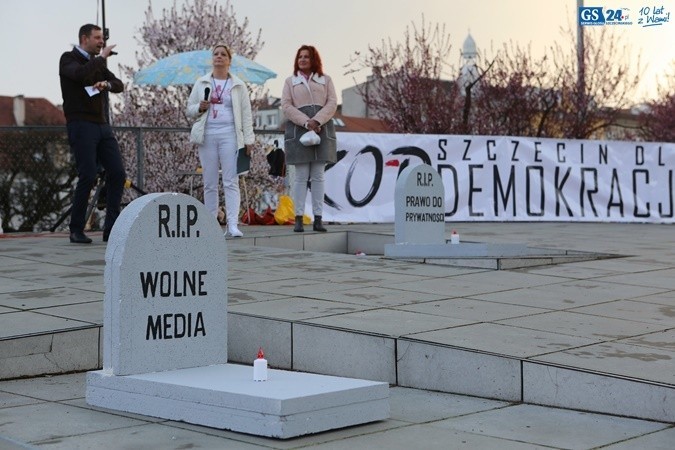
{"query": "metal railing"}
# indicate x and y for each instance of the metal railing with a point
(37, 175)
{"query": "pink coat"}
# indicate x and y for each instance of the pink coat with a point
(296, 95)
(297, 102)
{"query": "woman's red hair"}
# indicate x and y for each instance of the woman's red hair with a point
(314, 57)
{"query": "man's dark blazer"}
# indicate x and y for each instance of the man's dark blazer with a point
(76, 72)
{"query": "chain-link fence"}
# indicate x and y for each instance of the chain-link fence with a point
(37, 174)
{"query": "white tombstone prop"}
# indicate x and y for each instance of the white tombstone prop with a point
(165, 336)
(419, 228)
(166, 287)
(420, 206)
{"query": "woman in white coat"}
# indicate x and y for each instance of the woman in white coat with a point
(221, 107)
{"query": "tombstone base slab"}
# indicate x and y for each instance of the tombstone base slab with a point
(224, 396)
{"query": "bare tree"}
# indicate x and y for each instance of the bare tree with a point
(512, 92)
(515, 97)
(609, 82)
(657, 122)
(35, 178)
(406, 89)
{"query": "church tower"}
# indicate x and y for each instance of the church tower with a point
(468, 71)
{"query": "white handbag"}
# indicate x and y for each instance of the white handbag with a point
(310, 138)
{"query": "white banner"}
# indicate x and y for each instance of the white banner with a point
(497, 178)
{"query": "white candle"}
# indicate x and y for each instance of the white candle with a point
(260, 367)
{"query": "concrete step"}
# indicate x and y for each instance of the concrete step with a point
(400, 361)
(315, 307)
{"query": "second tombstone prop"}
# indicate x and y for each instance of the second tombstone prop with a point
(420, 206)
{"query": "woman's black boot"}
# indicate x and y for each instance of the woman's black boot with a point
(317, 224)
(298, 225)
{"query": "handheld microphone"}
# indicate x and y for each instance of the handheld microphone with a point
(207, 91)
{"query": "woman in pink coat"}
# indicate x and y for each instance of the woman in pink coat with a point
(308, 101)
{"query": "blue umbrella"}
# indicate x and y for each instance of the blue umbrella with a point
(186, 67)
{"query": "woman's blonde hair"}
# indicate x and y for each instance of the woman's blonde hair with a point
(227, 49)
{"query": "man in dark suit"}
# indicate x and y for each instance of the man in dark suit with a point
(85, 84)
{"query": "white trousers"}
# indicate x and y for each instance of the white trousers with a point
(313, 172)
(219, 152)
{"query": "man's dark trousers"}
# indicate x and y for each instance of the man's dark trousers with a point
(93, 144)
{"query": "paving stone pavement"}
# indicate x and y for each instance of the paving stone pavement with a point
(601, 329)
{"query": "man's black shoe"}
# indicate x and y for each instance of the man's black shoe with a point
(78, 237)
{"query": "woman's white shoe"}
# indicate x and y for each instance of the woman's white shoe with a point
(234, 231)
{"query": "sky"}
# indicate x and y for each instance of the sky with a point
(34, 33)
